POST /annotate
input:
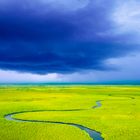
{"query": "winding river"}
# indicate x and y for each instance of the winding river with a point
(92, 133)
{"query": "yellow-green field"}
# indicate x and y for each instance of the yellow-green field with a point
(117, 119)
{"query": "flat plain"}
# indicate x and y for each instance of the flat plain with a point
(118, 117)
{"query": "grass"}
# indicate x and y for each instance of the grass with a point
(117, 119)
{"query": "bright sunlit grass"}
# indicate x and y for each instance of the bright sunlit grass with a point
(117, 119)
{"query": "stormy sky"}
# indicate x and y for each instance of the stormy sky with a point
(69, 40)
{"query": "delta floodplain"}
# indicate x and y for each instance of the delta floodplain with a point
(36, 112)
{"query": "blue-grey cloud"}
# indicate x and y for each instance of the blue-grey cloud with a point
(46, 37)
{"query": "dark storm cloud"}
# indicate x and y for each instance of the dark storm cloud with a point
(40, 38)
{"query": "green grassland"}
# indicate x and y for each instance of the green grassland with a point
(117, 119)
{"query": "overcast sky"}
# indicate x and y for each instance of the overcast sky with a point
(69, 41)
